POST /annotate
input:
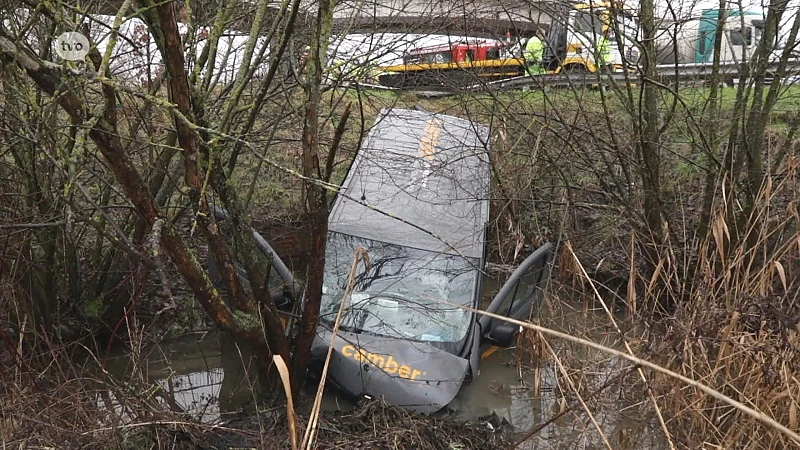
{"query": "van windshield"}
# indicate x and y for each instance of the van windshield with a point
(404, 294)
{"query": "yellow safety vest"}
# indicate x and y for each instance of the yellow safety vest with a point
(603, 51)
(534, 50)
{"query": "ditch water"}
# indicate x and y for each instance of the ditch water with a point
(511, 388)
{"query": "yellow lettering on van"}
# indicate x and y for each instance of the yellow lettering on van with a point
(377, 360)
(404, 372)
(391, 366)
(386, 363)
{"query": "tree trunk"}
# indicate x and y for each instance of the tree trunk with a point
(649, 142)
(314, 194)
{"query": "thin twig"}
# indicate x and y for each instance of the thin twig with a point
(580, 398)
(308, 439)
(14, 226)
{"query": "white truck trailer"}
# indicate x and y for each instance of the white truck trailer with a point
(691, 41)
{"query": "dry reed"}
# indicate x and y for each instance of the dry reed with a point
(738, 327)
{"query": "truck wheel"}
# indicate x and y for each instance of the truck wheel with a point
(575, 68)
(576, 74)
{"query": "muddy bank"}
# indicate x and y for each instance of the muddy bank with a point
(374, 425)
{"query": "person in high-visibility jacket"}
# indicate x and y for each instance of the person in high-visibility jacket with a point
(602, 55)
(534, 54)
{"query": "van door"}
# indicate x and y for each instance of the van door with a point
(519, 297)
(282, 284)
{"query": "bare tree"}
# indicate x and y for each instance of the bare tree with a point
(201, 118)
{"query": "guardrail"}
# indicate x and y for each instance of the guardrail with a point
(727, 72)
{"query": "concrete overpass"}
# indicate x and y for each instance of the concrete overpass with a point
(481, 18)
(487, 28)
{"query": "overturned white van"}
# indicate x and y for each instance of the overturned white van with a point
(417, 200)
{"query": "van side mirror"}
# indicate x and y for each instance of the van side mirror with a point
(502, 335)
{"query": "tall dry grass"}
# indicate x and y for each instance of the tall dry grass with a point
(738, 327)
(722, 310)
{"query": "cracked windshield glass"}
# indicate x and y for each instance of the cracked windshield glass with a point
(404, 293)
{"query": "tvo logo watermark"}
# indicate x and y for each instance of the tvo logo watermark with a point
(72, 46)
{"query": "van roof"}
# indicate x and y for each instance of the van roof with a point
(427, 172)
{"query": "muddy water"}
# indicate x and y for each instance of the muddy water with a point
(508, 390)
(526, 392)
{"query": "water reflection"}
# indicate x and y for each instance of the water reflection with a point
(183, 375)
(201, 375)
(509, 393)
(195, 393)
